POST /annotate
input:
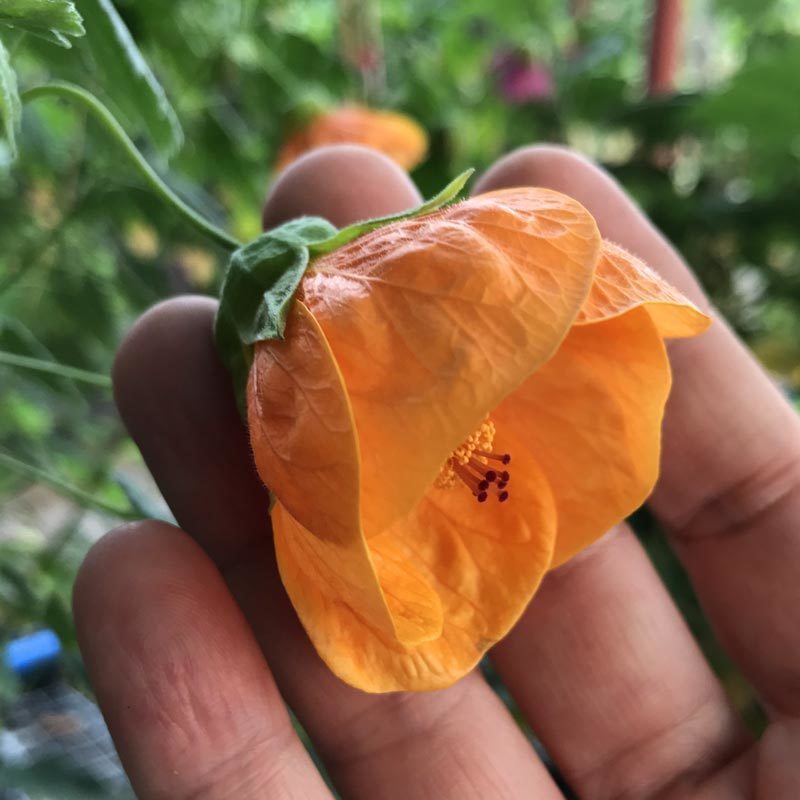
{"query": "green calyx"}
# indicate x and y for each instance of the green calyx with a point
(257, 292)
(263, 276)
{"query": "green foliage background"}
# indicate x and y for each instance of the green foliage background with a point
(84, 248)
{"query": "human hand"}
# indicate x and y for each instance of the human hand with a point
(191, 643)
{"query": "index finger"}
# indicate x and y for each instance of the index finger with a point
(727, 494)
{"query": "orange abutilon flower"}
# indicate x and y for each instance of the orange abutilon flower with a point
(396, 135)
(461, 401)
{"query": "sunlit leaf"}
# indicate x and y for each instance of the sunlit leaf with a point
(127, 78)
(53, 20)
(10, 107)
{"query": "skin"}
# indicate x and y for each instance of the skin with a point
(191, 643)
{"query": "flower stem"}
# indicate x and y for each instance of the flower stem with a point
(151, 177)
(54, 368)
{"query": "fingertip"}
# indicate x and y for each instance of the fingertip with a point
(92, 572)
(145, 588)
(177, 402)
(552, 166)
(172, 661)
(115, 560)
(168, 358)
(341, 183)
(778, 768)
(128, 572)
(157, 343)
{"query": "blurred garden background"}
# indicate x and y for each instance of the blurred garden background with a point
(694, 106)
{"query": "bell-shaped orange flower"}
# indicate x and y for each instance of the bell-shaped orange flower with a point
(395, 135)
(461, 402)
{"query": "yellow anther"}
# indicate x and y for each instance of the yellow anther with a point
(481, 439)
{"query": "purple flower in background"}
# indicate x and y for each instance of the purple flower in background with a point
(520, 79)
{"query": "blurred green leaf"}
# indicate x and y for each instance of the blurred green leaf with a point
(126, 77)
(10, 106)
(762, 100)
(56, 616)
(56, 779)
(28, 417)
(53, 20)
(748, 8)
(15, 586)
(19, 338)
(68, 490)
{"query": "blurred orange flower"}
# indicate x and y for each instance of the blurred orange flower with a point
(396, 135)
(462, 401)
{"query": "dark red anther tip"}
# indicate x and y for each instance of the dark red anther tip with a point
(507, 458)
(502, 484)
(505, 476)
(491, 476)
(483, 486)
(482, 497)
(502, 497)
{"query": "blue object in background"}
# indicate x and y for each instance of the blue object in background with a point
(33, 655)
(52, 723)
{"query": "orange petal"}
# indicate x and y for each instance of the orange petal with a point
(301, 431)
(433, 321)
(483, 561)
(593, 415)
(393, 134)
(623, 282)
(396, 135)
(346, 577)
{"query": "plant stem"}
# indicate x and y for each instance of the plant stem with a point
(54, 368)
(151, 177)
(73, 492)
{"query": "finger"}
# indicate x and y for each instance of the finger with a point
(728, 493)
(178, 405)
(180, 679)
(778, 769)
(605, 668)
(329, 183)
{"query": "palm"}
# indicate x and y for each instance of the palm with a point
(178, 628)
